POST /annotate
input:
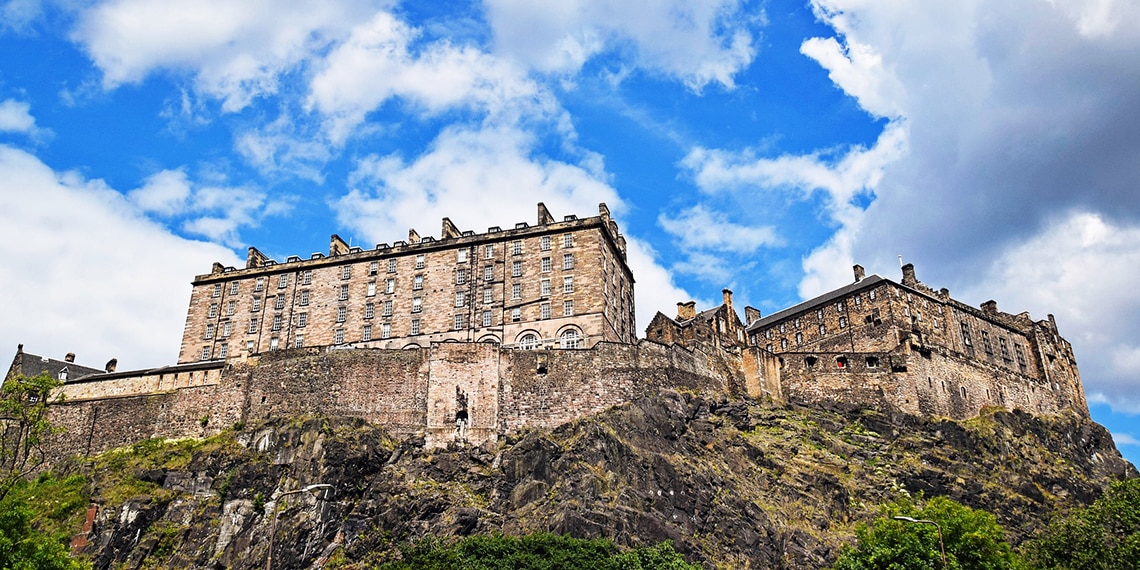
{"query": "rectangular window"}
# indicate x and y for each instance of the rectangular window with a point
(341, 314)
(822, 329)
(516, 247)
(307, 277)
(374, 268)
(231, 307)
(227, 329)
(460, 299)
(276, 322)
(842, 322)
(205, 353)
(338, 336)
(417, 304)
(415, 326)
(304, 297)
(568, 261)
(489, 251)
(369, 310)
(544, 311)
(223, 350)
(299, 341)
(343, 293)
(516, 268)
(460, 276)
(486, 318)
(489, 273)
(259, 284)
(282, 281)
(273, 343)
(346, 272)
(253, 325)
(209, 332)
(249, 346)
(371, 289)
(234, 288)
(386, 330)
(420, 261)
(965, 334)
(568, 284)
(256, 306)
(391, 266)
(417, 282)
(390, 286)
(516, 291)
(388, 308)
(217, 290)
(568, 308)
(367, 333)
(462, 255)
(460, 321)
(545, 243)
(516, 315)
(544, 288)
(302, 320)
(213, 312)
(568, 240)
(546, 265)
(279, 302)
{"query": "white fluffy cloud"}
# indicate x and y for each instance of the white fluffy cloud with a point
(1021, 164)
(63, 235)
(212, 211)
(699, 42)
(376, 64)
(16, 117)
(235, 51)
(486, 176)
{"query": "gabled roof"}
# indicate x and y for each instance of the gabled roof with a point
(824, 299)
(32, 365)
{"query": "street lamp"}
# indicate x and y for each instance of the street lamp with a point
(273, 526)
(941, 546)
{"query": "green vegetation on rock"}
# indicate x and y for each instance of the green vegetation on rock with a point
(540, 551)
(1103, 536)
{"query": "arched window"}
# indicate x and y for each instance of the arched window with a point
(569, 339)
(529, 341)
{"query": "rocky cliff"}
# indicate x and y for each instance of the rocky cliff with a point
(731, 483)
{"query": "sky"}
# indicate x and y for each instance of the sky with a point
(762, 146)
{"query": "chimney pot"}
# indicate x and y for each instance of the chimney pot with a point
(859, 273)
(70, 357)
(112, 364)
(908, 275)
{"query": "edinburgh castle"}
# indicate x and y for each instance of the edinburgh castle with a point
(469, 336)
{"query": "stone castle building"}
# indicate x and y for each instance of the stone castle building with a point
(557, 283)
(533, 327)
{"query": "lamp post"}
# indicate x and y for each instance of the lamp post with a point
(273, 525)
(941, 545)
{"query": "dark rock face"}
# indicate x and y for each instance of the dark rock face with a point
(730, 483)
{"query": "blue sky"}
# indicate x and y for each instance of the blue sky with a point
(760, 146)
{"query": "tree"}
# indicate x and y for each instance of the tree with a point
(24, 548)
(25, 427)
(1102, 536)
(972, 539)
(540, 551)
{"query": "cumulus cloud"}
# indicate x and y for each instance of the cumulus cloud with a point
(1021, 162)
(376, 64)
(134, 274)
(477, 176)
(699, 228)
(234, 51)
(16, 117)
(697, 42)
(212, 211)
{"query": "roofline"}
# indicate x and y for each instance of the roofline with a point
(866, 282)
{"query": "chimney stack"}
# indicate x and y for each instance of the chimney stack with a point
(990, 307)
(70, 357)
(727, 293)
(686, 311)
(751, 315)
(908, 275)
(112, 364)
(859, 274)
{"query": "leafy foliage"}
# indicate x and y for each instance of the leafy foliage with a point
(1103, 536)
(23, 547)
(540, 551)
(972, 539)
(23, 420)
